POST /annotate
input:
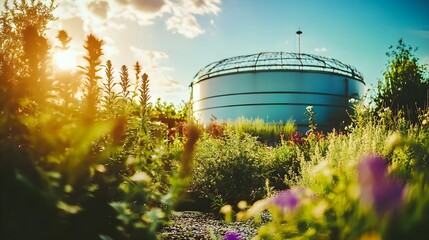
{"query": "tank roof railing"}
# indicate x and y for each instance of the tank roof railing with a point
(266, 61)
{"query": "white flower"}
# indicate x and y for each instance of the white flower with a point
(309, 108)
(352, 100)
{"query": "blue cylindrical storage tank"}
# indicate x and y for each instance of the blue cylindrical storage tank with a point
(276, 86)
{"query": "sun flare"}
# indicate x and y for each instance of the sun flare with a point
(65, 60)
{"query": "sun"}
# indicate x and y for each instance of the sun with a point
(65, 60)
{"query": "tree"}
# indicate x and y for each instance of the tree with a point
(14, 20)
(404, 87)
(21, 37)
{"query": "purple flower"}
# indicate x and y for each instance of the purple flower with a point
(232, 236)
(287, 199)
(377, 188)
(372, 169)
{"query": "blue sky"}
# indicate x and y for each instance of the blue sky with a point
(173, 39)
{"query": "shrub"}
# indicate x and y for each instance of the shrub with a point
(230, 168)
(283, 168)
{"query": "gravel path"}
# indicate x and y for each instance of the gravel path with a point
(199, 225)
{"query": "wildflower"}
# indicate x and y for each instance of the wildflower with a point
(377, 188)
(352, 100)
(309, 108)
(296, 137)
(288, 199)
(424, 122)
(232, 236)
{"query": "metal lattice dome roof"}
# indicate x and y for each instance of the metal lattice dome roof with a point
(277, 61)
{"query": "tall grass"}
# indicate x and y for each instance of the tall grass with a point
(267, 132)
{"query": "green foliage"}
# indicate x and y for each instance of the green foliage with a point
(284, 166)
(404, 87)
(336, 197)
(78, 176)
(230, 168)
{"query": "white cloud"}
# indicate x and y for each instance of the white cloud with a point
(151, 6)
(109, 47)
(172, 88)
(100, 15)
(321, 49)
(149, 58)
(67, 9)
(202, 6)
(183, 20)
(186, 25)
(99, 8)
(161, 83)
